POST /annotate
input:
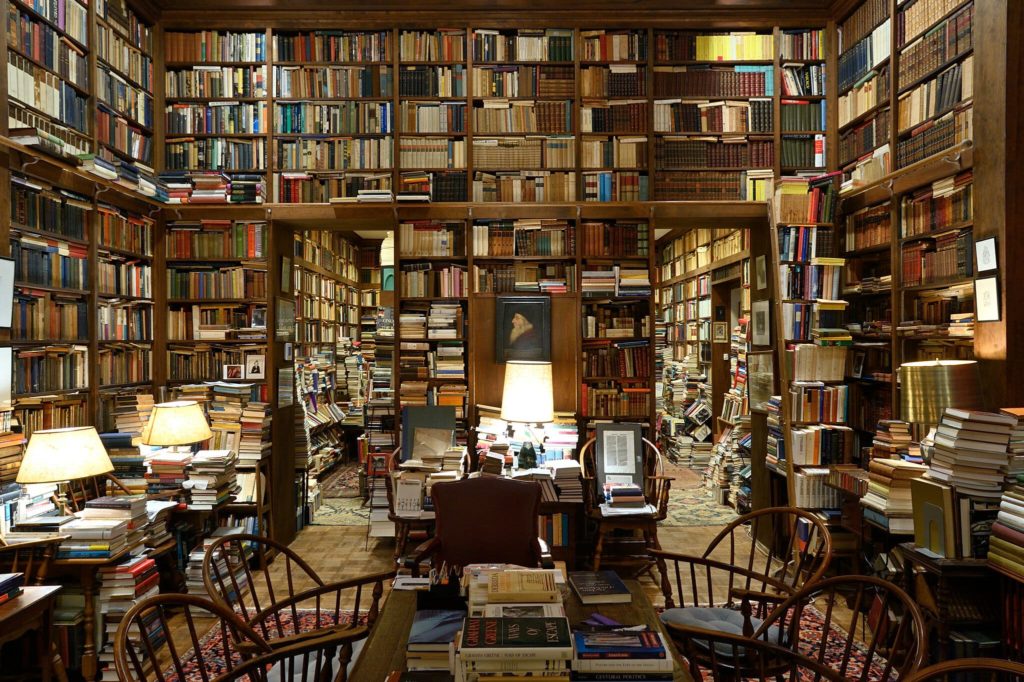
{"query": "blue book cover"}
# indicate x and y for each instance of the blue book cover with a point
(434, 629)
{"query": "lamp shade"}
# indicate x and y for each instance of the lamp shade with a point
(528, 396)
(176, 423)
(54, 455)
(928, 388)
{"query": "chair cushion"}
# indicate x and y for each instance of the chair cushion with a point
(720, 619)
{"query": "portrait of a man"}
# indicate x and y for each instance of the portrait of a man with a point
(524, 329)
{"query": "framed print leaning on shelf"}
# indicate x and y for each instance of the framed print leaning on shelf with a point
(761, 333)
(523, 329)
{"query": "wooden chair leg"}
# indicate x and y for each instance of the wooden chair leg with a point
(59, 671)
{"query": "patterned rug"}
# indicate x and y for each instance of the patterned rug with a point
(343, 482)
(338, 511)
(212, 646)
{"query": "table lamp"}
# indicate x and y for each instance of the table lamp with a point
(928, 387)
(527, 398)
(181, 422)
(61, 455)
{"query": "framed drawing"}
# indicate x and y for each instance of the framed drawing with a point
(284, 324)
(234, 372)
(761, 334)
(619, 454)
(720, 332)
(760, 377)
(255, 366)
(986, 293)
(985, 252)
(523, 329)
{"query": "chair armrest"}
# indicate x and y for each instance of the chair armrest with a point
(419, 554)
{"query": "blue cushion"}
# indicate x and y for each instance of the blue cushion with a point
(720, 619)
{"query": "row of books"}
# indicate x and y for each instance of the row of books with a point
(333, 81)
(937, 96)
(714, 81)
(528, 152)
(552, 278)
(946, 41)
(939, 206)
(857, 60)
(44, 44)
(47, 93)
(216, 154)
(932, 261)
(525, 237)
(525, 45)
(433, 117)
(750, 116)
(868, 93)
(614, 80)
(239, 282)
(121, 134)
(432, 81)
(211, 239)
(215, 46)
(524, 186)
(748, 185)
(216, 82)
(225, 117)
(524, 81)
(676, 153)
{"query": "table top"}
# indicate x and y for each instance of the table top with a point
(385, 647)
(29, 597)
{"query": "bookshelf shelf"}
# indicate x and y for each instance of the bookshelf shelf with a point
(59, 290)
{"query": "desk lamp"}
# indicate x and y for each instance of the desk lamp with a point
(927, 388)
(63, 455)
(181, 422)
(527, 398)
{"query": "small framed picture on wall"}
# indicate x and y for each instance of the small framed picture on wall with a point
(720, 332)
(986, 255)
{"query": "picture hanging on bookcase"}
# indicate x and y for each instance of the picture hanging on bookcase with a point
(761, 273)
(761, 334)
(259, 318)
(6, 291)
(720, 334)
(986, 293)
(234, 372)
(284, 324)
(985, 251)
(760, 377)
(523, 329)
(255, 366)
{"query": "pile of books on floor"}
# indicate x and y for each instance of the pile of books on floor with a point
(129, 463)
(255, 444)
(888, 500)
(123, 585)
(194, 569)
(211, 479)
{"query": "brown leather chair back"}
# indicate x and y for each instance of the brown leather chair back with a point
(487, 520)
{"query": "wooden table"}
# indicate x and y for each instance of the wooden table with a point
(31, 610)
(385, 647)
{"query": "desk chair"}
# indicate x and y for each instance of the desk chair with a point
(484, 520)
(656, 490)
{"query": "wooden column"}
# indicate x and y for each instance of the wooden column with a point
(998, 199)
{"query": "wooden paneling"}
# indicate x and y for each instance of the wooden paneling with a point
(489, 376)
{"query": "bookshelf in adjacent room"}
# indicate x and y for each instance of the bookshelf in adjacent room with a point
(803, 109)
(333, 114)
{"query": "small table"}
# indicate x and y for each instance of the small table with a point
(31, 610)
(385, 647)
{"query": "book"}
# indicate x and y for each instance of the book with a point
(619, 644)
(434, 629)
(522, 586)
(934, 517)
(539, 638)
(599, 587)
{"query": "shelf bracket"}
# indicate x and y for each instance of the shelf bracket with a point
(394, 212)
(579, 212)
(469, 213)
(100, 192)
(153, 211)
(33, 161)
(889, 188)
(269, 212)
(955, 160)
(177, 214)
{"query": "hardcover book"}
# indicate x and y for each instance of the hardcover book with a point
(541, 638)
(599, 587)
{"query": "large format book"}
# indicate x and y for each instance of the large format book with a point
(599, 587)
(434, 629)
(934, 517)
(539, 638)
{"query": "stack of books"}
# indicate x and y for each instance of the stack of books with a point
(255, 444)
(1016, 447)
(167, 470)
(971, 451)
(893, 441)
(1006, 545)
(194, 570)
(888, 500)
(211, 479)
(93, 538)
(567, 479)
(431, 639)
(129, 463)
(621, 655)
(623, 495)
(128, 508)
(10, 586)
(157, 513)
(122, 586)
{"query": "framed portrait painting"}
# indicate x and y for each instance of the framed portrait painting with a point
(522, 329)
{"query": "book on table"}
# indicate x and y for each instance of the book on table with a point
(599, 587)
(522, 586)
(493, 638)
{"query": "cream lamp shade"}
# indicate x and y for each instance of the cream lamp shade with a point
(181, 422)
(927, 388)
(528, 396)
(55, 455)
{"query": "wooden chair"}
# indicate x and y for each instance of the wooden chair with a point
(732, 657)
(288, 602)
(980, 669)
(656, 490)
(31, 558)
(487, 520)
(239, 653)
(405, 527)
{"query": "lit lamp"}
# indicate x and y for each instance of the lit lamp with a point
(181, 422)
(527, 398)
(61, 455)
(927, 388)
